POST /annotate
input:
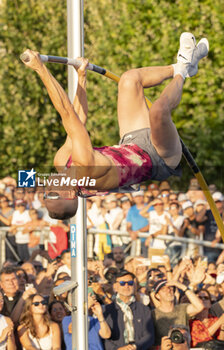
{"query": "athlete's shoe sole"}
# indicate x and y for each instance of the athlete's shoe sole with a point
(200, 52)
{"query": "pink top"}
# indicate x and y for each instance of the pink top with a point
(133, 164)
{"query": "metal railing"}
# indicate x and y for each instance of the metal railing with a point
(93, 231)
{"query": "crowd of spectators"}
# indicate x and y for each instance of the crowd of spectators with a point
(144, 293)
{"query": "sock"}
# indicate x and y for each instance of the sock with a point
(180, 68)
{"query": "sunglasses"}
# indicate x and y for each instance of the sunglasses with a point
(54, 195)
(129, 283)
(37, 303)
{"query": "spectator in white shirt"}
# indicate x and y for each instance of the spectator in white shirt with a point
(19, 218)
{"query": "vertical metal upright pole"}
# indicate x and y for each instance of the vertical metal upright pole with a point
(75, 42)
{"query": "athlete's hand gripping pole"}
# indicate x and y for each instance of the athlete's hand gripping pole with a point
(72, 62)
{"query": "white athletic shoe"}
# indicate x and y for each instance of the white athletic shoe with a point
(187, 46)
(200, 51)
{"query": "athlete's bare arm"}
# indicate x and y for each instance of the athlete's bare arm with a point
(96, 164)
(81, 109)
(80, 102)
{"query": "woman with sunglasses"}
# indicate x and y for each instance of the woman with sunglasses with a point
(36, 330)
(205, 327)
(7, 340)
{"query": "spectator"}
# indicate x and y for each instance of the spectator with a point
(174, 249)
(158, 223)
(58, 238)
(120, 222)
(153, 192)
(182, 198)
(98, 326)
(22, 278)
(130, 321)
(40, 205)
(29, 268)
(13, 299)
(36, 330)
(118, 257)
(217, 309)
(190, 228)
(172, 342)
(30, 197)
(7, 340)
(194, 192)
(205, 217)
(5, 220)
(137, 223)
(205, 327)
(19, 194)
(113, 209)
(103, 242)
(167, 313)
(34, 227)
(57, 313)
(19, 218)
(173, 198)
(5, 211)
(165, 196)
(65, 263)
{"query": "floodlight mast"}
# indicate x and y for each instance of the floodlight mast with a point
(75, 44)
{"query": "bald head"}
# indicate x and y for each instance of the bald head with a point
(61, 208)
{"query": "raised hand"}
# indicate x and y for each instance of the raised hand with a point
(32, 59)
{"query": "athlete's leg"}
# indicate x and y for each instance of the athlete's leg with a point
(133, 112)
(164, 135)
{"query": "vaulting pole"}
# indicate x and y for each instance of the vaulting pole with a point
(78, 233)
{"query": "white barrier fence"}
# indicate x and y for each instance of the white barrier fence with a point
(45, 239)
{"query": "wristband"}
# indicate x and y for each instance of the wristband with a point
(102, 321)
(186, 290)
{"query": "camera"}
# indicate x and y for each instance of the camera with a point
(176, 336)
(93, 279)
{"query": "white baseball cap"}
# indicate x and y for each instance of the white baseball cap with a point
(218, 197)
(187, 204)
(138, 193)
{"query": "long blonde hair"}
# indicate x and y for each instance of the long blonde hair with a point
(26, 317)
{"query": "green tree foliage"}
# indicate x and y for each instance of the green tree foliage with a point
(119, 35)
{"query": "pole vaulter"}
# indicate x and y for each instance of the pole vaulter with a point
(189, 158)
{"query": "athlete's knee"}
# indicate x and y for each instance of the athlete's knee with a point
(129, 79)
(159, 112)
